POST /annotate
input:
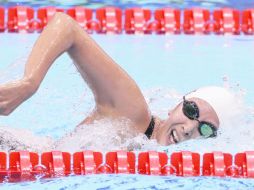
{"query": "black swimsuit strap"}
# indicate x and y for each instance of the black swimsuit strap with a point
(150, 128)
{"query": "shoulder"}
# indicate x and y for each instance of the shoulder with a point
(139, 117)
(139, 114)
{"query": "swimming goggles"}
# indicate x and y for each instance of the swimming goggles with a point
(190, 110)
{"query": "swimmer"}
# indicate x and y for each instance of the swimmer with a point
(199, 114)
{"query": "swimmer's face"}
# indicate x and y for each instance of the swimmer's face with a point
(178, 127)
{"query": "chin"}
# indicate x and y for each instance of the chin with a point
(164, 142)
(162, 137)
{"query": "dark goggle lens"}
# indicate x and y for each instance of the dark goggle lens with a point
(207, 130)
(190, 110)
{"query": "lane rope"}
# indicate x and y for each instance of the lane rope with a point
(25, 165)
(133, 20)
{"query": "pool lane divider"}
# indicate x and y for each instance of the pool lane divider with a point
(133, 20)
(27, 166)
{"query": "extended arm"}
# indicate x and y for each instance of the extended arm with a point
(116, 94)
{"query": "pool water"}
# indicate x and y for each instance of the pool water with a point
(127, 182)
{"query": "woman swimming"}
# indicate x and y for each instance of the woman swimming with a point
(116, 93)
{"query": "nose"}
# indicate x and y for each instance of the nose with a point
(189, 129)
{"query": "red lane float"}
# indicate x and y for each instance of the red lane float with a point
(186, 163)
(226, 20)
(245, 163)
(153, 163)
(57, 163)
(248, 21)
(3, 166)
(168, 20)
(86, 162)
(136, 20)
(196, 20)
(110, 19)
(20, 18)
(21, 165)
(217, 164)
(121, 162)
(2, 24)
(82, 15)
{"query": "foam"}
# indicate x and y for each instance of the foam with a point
(13, 139)
(104, 135)
(15, 69)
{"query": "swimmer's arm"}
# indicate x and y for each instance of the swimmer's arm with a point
(116, 94)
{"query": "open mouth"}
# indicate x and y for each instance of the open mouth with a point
(173, 136)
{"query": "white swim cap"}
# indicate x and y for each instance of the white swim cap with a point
(223, 102)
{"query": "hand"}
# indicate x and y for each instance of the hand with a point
(13, 94)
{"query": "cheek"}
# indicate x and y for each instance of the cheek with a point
(177, 111)
(178, 117)
(162, 137)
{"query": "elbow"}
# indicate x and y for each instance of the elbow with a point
(62, 21)
(62, 16)
(62, 26)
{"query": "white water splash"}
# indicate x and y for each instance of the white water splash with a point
(15, 69)
(12, 139)
(104, 135)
